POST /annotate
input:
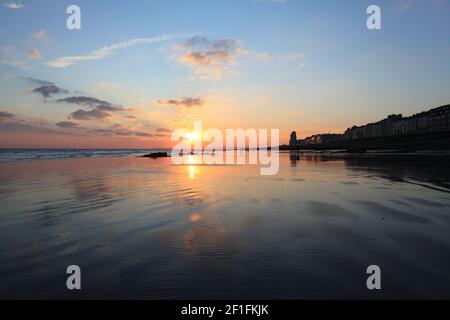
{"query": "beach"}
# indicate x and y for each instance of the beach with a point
(147, 229)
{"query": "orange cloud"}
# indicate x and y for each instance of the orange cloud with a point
(209, 59)
(34, 54)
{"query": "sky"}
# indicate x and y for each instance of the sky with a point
(137, 70)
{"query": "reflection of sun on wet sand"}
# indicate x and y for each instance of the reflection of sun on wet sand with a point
(232, 232)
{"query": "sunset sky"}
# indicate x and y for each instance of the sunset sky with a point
(139, 69)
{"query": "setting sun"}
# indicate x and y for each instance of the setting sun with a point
(192, 136)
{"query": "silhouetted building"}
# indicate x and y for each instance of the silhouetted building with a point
(294, 142)
(324, 138)
(434, 120)
(293, 139)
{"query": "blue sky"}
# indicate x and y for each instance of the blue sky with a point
(310, 66)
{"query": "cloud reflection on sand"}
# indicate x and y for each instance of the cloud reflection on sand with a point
(143, 228)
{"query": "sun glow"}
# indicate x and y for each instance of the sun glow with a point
(192, 171)
(192, 136)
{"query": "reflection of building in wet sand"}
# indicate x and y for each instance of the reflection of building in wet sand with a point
(430, 170)
(294, 157)
(427, 169)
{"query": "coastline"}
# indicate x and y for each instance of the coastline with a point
(22, 155)
(436, 141)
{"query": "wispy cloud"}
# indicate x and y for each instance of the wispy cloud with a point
(6, 115)
(94, 114)
(12, 62)
(46, 88)
(96, 103)
(40, 35)
(37, 81)
(84, 101)
(115, 86)
(8, 50)
(49, 90)
(9, 53)
(14, 5)
(100, 109)
(120, 130)
(67, 124)
(184, 102)
(12, 123)
(105, 52)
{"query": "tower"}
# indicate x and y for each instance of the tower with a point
(293, 140)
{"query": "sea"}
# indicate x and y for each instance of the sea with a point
(11, 155)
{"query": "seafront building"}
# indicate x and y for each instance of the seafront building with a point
(434, 120)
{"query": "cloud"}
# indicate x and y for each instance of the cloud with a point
(9, 123)
(67, 124)
(163, 130)
(37, 81)
(9, 59)
(100, 109)
(94, 102)
(12, 124)
(40, 35)
(34, 54)
(8, 50)
(209, 59)
(48, 90)
(109, 107)
(183, 102)
(119, 130)
(115, 86)
(84, 101)
(12, 62)
(94, 114)
(6, 115)
(97, 109)
(105, 52)
(14, 5)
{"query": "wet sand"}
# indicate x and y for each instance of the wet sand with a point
(144, 228)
